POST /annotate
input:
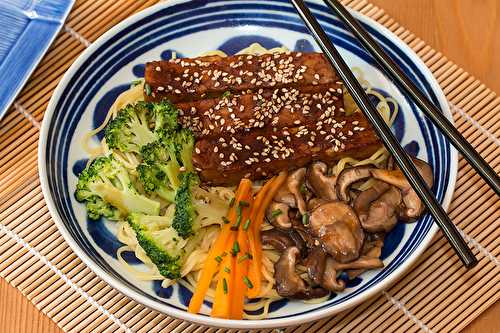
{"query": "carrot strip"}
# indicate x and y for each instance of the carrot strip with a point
(254, 269)
(260, 206)
(221, 306)
(241, 267)
(210, 267)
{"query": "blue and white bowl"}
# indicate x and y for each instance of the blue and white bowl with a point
(191, 27)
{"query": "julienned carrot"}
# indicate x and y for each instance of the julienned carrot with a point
(260, 206)
(254, 269)
(224, 291)
(211, 265)
(241, 280)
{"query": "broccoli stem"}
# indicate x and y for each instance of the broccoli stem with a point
(127, 202)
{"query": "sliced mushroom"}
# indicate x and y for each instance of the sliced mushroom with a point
(372, 248)
(314, 203)
(413, 205)
(285, 196)
(277, 215)
(315, 264)
(330, 280)
(348, 177)
(277, 239)
(288, 282)
(321, 184)
(294, 182)
(363, 262)
(338, 228)
(378, 207)
(299, 228)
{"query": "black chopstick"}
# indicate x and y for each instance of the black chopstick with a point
(393, 71)
(417, 182)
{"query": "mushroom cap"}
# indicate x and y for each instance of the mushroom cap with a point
(337, 227)
(288, 282)
(285, 196)
(281, 221)
(294, 183)
(315, 264)
(348, 177)
(378, 207)
(315, 202)
(330, 281)
(277, 239)
(323, 186)
(413, 206)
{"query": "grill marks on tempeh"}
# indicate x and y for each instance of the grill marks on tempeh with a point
(190, 79)
(224, 160)
(256, 115)
(285, 107)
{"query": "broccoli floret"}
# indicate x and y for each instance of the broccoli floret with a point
(107, 190)
(139, 124)
(164, 157)
(185, 212)
(158, 156)
(154, 180)
(184, 146)
(160, 241)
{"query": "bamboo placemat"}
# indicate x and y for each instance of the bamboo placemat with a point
(438, 294)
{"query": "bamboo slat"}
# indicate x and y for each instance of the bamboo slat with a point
(437, 294)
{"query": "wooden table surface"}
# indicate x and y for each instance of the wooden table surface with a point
(466, 31)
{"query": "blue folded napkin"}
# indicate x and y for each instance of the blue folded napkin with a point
(27, 28)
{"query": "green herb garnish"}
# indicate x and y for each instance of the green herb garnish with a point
(147, 89)
(305, 219)
(236, 248)
(276, 212)
(246, 224)
(247, 256)
(224, 285)
(248, 282)
(135, 83)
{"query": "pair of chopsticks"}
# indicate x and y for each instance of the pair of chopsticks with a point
(405, 163)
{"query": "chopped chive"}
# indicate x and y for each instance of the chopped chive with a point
(303, 188)
(236, 248)
(247, 256)
(276, 212)
(246, 224)
(227, 270)
(218, 259)
(225, 220)
(224, 285)
(305, 219)
(248, 282)
(231, 203)
(238, 219)
(244, 203)
(135, 83)
(226, 94)
(147, 89)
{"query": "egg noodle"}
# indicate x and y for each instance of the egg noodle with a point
(213, 202)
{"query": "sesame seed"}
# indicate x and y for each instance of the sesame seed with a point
(158, 68)
(197, 150)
